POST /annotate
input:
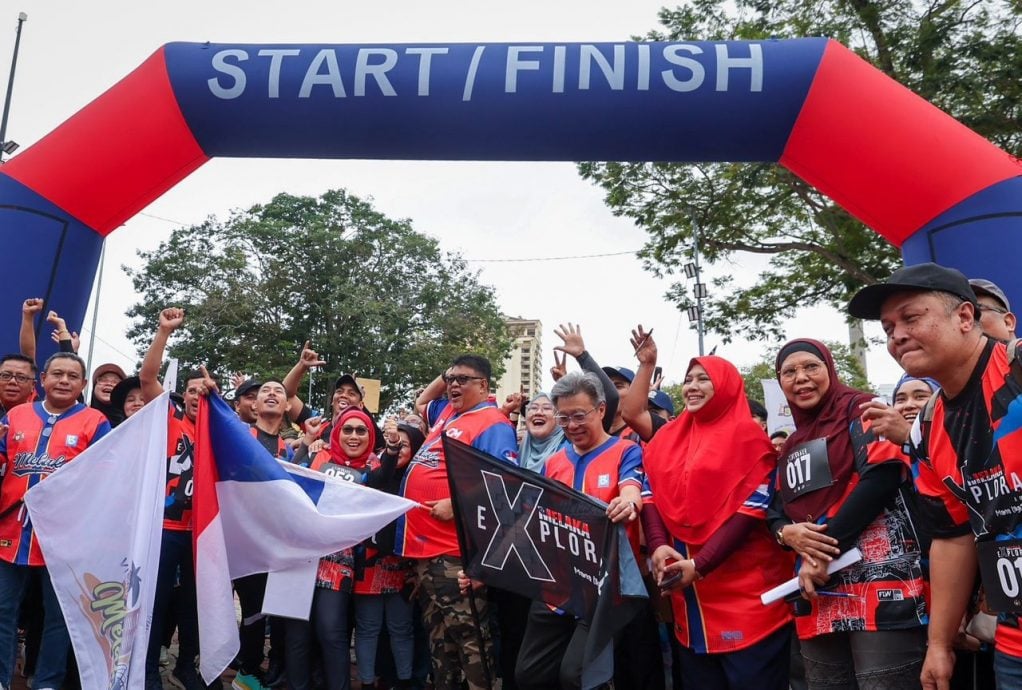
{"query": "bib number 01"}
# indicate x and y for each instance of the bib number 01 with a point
(1000, 565)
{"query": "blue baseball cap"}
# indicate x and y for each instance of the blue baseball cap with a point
(619, 372)
(662, 401)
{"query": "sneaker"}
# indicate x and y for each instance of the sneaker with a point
(247, 681)
(187, 678)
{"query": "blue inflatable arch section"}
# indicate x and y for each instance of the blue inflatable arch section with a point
(913, 174)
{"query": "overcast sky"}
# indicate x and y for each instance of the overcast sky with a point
(72, 51)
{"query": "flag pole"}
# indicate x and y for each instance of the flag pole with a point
(462, 541)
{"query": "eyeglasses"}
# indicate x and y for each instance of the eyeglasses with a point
(577, 417)
(533, 409)
(20, 378)
(811, 370)
(996, 310)
(462, 379)
(356, 430)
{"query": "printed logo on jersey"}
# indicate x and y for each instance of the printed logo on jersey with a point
(19, 436)
(890, 595)
(71, 440)
(27, 463)
(428, 455)
(603, 481)
(453, 432)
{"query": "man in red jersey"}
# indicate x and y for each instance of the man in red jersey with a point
(176, 545)
(39, 438)
(970, 449)
(431, 539)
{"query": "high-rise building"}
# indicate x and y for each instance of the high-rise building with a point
(523, 369)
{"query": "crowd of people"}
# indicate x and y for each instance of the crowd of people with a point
(926, 488)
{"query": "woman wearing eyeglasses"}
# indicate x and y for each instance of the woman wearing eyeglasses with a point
(709, 474)
(599, 465)
(349, 456)
(543, 437)
(840, 485)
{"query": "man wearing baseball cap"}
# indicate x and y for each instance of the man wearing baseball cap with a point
(970, 447)
(995, 317)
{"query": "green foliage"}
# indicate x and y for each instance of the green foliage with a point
(962, 56)
(374, 296)
(674, 390)
(848, 368)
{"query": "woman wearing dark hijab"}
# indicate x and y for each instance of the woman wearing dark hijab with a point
(709, 476)
(840, 485)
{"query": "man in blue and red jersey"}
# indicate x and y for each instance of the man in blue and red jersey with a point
(430, 537)
(598, 464)
(39, 438)
(969, 442)
(176, 558)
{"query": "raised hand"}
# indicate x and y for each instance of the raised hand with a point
(32, 306)
(171, 319)
(572, 337)
(238, 378)
(560, 367)
(644, 345)
(309, 358)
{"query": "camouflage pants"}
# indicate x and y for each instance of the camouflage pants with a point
(453, 632)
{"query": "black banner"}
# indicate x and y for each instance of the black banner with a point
(530, 535)
(525, 533)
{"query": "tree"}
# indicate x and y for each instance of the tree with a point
(848, 370)
(374, 296)
(962, 56)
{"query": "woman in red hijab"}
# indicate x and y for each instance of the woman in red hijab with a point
(350, 457)
(710, 474)
(840, 485)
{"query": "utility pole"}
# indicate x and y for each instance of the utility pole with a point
(6, 146)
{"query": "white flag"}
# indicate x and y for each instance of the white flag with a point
(778, 409)
(99, 520)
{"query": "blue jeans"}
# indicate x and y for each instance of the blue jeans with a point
(327, 626)
(175, 560)
(1008, 671)
(52, 663)
(370, 612)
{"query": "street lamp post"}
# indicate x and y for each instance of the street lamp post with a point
(9, 147)
(694, 270)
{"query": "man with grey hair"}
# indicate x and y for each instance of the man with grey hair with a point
(599, 465)
(969, 442)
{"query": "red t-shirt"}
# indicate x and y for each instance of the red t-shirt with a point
(722, 612)
(889, 592)
(418, 534)
(970, 469)
(177, 511)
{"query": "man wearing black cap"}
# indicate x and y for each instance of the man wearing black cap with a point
(995, 317)
(245, 397)
(970, 448)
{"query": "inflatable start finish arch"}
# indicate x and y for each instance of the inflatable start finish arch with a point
(910, 172)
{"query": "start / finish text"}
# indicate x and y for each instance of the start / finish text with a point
(678, 67)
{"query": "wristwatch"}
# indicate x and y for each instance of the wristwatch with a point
(779, 536)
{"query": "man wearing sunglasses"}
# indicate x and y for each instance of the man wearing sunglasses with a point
(995, 317)
(430, 537)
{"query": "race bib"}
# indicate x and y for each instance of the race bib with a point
(342, 472)
(805, 469)
(1000, 566)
